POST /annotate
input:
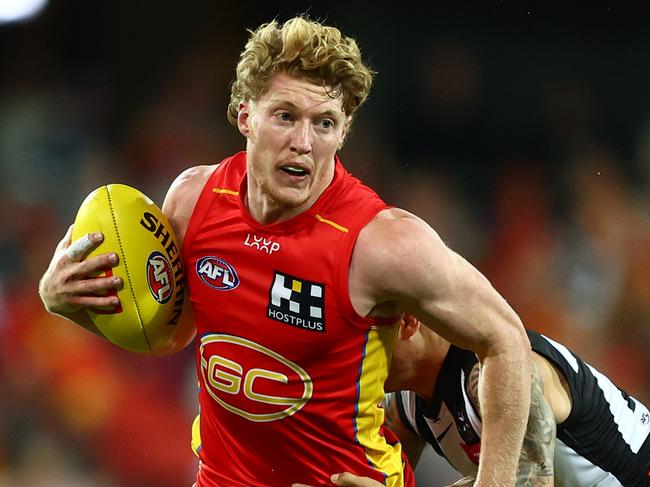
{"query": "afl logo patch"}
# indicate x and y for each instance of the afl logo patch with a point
(217, 273)
(160, 277)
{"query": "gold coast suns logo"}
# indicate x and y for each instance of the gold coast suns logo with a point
(252, 381)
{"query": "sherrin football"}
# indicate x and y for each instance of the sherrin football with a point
(151, 301)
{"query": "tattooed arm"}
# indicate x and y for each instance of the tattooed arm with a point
(536, 459)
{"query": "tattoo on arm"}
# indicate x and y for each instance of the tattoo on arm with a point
(536, 459)
(472, 387)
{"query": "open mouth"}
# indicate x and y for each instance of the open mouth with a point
(295, 170)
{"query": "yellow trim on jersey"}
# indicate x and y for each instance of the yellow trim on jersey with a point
(374, 369)
(335, 225)
(225, 191)
(196, 435)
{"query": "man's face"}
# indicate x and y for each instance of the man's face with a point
(293, 132)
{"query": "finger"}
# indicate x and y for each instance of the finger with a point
(346, 479)
(97, 286)
(465, 481)
(110, 302)
(301, 485)
(95, 265)
(77, 250)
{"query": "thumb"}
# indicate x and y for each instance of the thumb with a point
(336, 479)
(346, 479)
(65, 241)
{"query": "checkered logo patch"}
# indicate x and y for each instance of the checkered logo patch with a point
(297, 302)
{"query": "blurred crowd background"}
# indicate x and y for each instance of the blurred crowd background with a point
(521, 135)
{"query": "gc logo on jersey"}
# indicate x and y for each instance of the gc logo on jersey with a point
(251, 380)
(217, 273)
(297, 302)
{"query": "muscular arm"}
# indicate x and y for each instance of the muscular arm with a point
(536, 459)
(178, 207)
(401, 264)
(69, 287)
(182, 196)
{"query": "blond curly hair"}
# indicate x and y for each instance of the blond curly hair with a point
(305, 49)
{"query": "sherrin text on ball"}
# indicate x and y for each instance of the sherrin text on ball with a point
(148, 319)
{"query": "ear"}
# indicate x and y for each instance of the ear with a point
(243, 119)
(409, 326)
(346, 127)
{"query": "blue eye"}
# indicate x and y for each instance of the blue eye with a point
(284, 116)
(327, 123)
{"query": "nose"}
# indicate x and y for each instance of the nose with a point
(301, 139)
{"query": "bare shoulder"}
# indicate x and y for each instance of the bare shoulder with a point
(396, 255)
(396, 236)
(389, 222)
(182, 196)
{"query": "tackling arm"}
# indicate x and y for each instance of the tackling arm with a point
(401, 264)
(536, 459)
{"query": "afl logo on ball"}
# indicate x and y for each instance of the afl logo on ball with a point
(160, 277)
(217, 273)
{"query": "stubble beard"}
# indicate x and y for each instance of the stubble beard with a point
(282, 199)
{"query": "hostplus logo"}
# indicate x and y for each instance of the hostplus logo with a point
(297, 302)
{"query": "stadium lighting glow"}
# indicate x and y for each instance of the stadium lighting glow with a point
(19, 10)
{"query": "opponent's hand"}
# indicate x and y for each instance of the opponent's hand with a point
(69, 283)
(346, 479)
(464, 482)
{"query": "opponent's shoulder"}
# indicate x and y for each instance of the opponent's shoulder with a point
(555, 386)
(183, 194)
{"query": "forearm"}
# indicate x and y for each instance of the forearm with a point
(536, 461)
(504, 395)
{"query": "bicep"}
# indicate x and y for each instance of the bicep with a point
(403, 261)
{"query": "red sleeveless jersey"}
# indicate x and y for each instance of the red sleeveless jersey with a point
(290, 376)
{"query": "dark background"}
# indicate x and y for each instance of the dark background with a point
(521, 133)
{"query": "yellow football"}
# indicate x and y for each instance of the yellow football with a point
(151, 301)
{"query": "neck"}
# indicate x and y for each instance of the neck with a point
(264, 209)
(433, 352)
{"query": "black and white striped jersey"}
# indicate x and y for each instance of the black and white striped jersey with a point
(605, 440)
